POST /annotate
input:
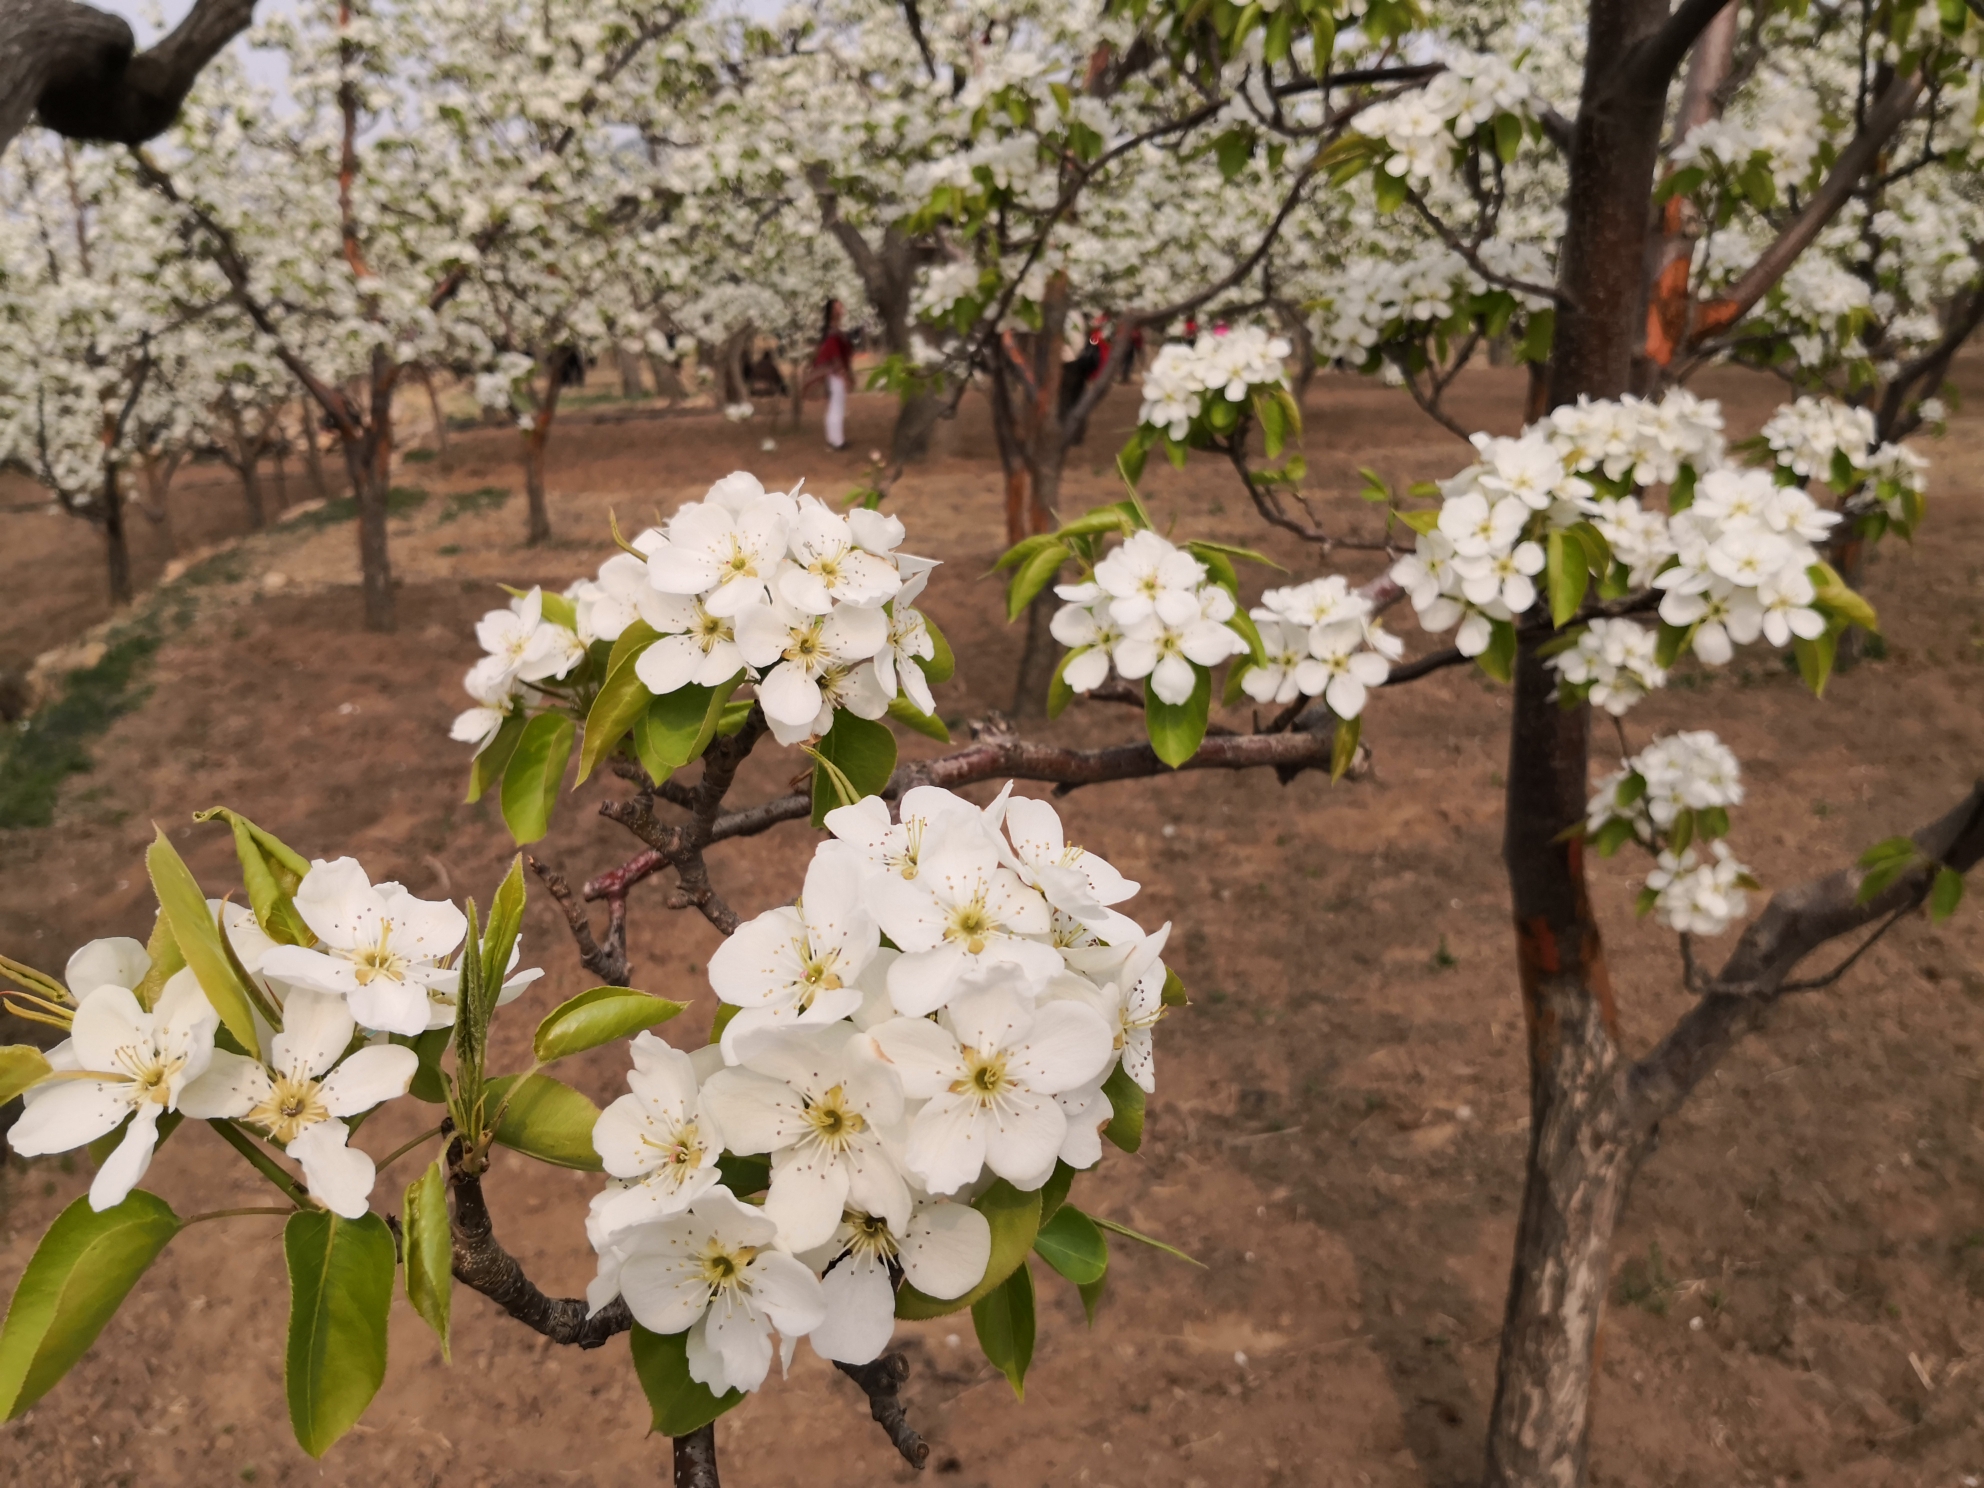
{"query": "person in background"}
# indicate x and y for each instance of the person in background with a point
(833, 362)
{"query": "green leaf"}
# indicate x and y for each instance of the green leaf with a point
(678, 726)
(1815, 659)
(1680, 832)
(863, 751)
(428, 1047)
(1538, 336)
(1177, 729)
(1034, 575)
(944, 665)
(1389, 190)
(21, 1066)
(1020, 552)
(271, 871)
(1945, 894)
(1142, 1239)
(1343, 746)
(1499, 660)
(99, 1151)
(1421, 522)
(1004, 1323)
(79, 1275)
(1126, 1110)
(745, 1176)
(1015, 1219)
(1054, 1192)
(616, 708)
(1568, 577)
(1059, 693)
(1092, 1297)
(1615, 834)
(906, 713)
(598, 1017)
(680, 1405)
(537, 769)
(340, 1291)
(430, 1277)
(546, 1120)
(1219, 569)
(1508, 137)
(184, 906)
(1173, 994)
(1888, 850)
(1130, 459)
(486, 770)
(1712, 822)
(1073, 1246)
(1102, 519)
(635, 639)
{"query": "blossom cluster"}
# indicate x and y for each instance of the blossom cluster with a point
(887, 1085)
(1826, 440)
(1670, 796)
(1231, 362)
(1612, 665)
(382, 963)
(1376, 299)
(1744, 553)
(1150, 609)
(1421, 126)
(1321, 639)
(811, 606)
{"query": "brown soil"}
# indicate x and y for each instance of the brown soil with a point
(1341, 1120)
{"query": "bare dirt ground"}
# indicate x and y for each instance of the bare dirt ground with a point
(1340, 1122)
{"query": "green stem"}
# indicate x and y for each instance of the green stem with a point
(405, 1147)
(267, 1166)
(230, 1213)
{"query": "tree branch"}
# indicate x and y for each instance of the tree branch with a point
(1888, 115)
(882, 1383)
(1653, 63)
(79, 69)
(606, 960)
(1796, 922)
(482, 1265)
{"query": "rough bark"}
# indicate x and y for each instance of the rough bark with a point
(695, 1459)
(79, 70)
(313, 452)
(1580, 1157)
(116, 550)
(537, 442)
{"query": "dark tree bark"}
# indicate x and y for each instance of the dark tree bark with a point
(537, 441)
(116, 550)
(695, 1459)
(79, 70)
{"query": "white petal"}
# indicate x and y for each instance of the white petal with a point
(947, 1143)
(380, 1072)
(390, 1006)
(115, 961)
(127, 1164)
(108, 1019)
(756, 1112)
(925, 1058)
(663, 1291)
(337, 901)
(316, 1029)
(861, 1312)
(945, 1249)
(233, 1085)
(339, 1175)
(790, 696)
(66, 1114)
(808, 1192)
(1025, 1137)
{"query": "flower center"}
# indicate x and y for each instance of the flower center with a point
(150, 1071)
(834, 1124)
(806, 648)
(370, 962)
(681, 1154)
(742, 562)
(984, 1079)
(291, 1105)
(971, 923)
(721, 1266)
(871, 1236)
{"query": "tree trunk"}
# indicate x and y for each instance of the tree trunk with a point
(313, 454)
(798, 392)
(916, 422)
(280, 452)
(434, 408)
(667, 380)
(695, 1459)
(251, 492)
(1581, 1151)
(369, 461)
(630, 373)
(156, 472)
(536, 447)
(116, 551)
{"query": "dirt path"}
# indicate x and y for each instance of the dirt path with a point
(1340, 1120)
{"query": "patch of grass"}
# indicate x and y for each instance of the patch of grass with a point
(474, 503)
(400, 501)
(422, 456)
(228, 567)
(46, 748)
(1444, 959)
(1645, 1283)
(449, 550)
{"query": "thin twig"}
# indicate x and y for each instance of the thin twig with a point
(882, 1382)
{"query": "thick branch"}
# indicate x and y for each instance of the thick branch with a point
(79, 68)
(606, 960)
(1795, 923)
(482, 1264)
(1653, 63)
(1894, 109)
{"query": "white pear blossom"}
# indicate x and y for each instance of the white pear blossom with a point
(378, 946)
(1148, 577)
(119, 1061)
(826, 1116)
(942, 1252)
(826, 566)
(660, 1140)
(728, 557)
(795, 651)
(714, 1272)
(797, 964)
(988, 1073)
(312, 1080)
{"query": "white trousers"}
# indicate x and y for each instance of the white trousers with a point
(836, 409)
